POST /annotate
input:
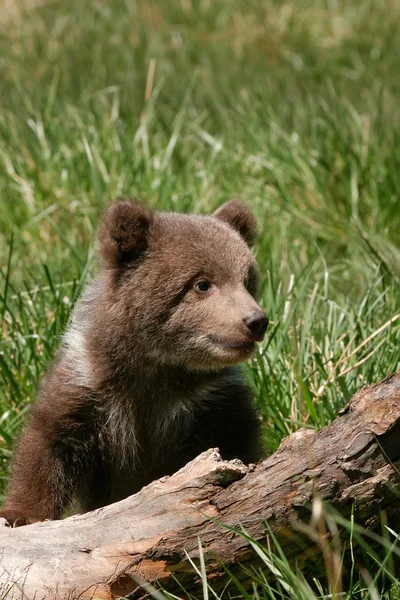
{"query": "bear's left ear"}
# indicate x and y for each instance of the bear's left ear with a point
(123, 235)
(240, 218)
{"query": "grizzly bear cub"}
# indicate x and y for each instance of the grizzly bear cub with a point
(146, 375)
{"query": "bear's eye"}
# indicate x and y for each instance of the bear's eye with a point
(202, 286)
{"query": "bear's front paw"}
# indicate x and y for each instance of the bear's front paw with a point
(14, 518)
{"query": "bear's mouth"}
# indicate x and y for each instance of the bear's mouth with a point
(246, 345)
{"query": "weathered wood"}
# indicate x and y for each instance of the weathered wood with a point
(355, 460)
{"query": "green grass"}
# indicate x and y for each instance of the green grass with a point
(291, 105)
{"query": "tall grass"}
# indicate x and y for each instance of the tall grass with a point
(292, 105)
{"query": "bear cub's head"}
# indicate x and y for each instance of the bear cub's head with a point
(181, 289)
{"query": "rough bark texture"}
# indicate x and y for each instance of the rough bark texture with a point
(355, 460)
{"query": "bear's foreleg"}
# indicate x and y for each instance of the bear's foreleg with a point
(42, 481)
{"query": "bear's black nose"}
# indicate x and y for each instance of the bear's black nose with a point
(257, 322)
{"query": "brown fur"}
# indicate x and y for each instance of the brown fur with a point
(146, 377)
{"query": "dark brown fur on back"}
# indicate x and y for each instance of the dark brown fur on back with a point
(146, 377)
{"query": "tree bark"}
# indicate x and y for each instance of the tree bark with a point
(107, 553)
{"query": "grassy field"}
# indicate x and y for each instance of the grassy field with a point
(291, 105)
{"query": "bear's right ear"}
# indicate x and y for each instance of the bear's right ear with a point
(239, 217)
(123, 235)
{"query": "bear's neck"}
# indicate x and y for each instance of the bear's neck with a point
(151, 382)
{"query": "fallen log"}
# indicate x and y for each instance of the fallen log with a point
(105, 553)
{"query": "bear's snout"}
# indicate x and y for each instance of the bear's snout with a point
(257, 323)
